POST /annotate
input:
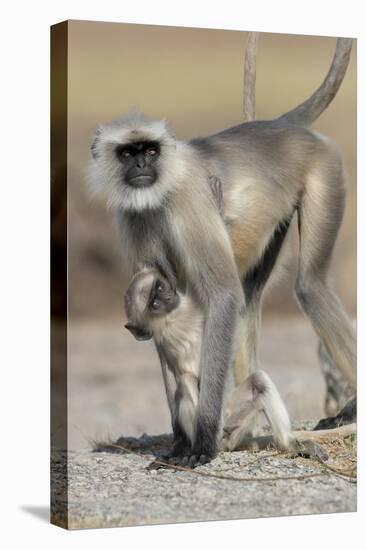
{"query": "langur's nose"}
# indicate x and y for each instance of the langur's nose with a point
(140, 161)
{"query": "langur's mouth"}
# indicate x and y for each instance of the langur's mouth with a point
(139, 333)
(143, 336)
(141, 181)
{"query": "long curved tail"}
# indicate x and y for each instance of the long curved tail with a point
(250, 73)
(308, 111)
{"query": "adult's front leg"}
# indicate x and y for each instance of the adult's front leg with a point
(217, 349)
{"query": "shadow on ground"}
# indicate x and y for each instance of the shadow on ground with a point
(157, 445)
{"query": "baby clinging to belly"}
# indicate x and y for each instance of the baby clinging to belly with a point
(175, 322)
(155, 310)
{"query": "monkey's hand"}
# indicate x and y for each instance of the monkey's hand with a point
(167, 270)
(200, 454)
(181, 448)
(193, 460)
(188, 460)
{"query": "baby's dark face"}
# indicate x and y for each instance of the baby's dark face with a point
(163, 299)
(148, 297)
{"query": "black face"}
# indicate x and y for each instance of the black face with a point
(139, 333)
(163, 298)
(139, 161)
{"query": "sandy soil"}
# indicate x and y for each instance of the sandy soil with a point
(110, 488)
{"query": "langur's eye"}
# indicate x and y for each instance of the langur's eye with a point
(152, 151)
(160, 286)
(155, 304)
(124, 153)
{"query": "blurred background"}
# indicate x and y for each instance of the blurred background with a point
(194, 78)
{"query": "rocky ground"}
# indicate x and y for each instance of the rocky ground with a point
(115, 387)
(110, 487)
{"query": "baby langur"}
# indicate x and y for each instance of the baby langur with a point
(175, 322)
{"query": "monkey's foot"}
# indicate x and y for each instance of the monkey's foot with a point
(347, 415)
(328, 423)
(310, 449)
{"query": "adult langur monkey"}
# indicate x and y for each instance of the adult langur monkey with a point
(269, 170)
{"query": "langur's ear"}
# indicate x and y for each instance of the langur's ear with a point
(137, 332)
(94, 145)
(93, 148)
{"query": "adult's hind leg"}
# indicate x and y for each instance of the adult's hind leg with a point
(320, 215)
(245, 361)
(254, 282)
